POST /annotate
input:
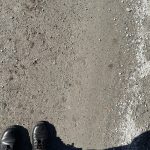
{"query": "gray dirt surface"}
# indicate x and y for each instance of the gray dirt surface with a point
(82, 65)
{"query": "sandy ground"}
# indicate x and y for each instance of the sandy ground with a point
(83, 65)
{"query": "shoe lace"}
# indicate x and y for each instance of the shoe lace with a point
(41, 144)
(7, 147)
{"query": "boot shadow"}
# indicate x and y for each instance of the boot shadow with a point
(141, 142)
(56, 142)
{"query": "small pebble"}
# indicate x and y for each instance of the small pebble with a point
(127, 28)
(128, 9)
(54, 62)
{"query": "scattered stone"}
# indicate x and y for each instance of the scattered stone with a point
(9, 39)
(35, 61)
(32, 111)
(54, 62)
(11, 78)
(110, 66)
(128, 9)
(127, 28)
(4, 105)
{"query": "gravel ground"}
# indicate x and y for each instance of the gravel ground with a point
(82, 65)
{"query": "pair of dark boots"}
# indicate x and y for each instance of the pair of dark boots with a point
(15, 138)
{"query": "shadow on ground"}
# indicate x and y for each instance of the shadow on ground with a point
(56, 142)
(142, 142)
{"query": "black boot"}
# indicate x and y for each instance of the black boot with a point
(15, 138)
(41, 136)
